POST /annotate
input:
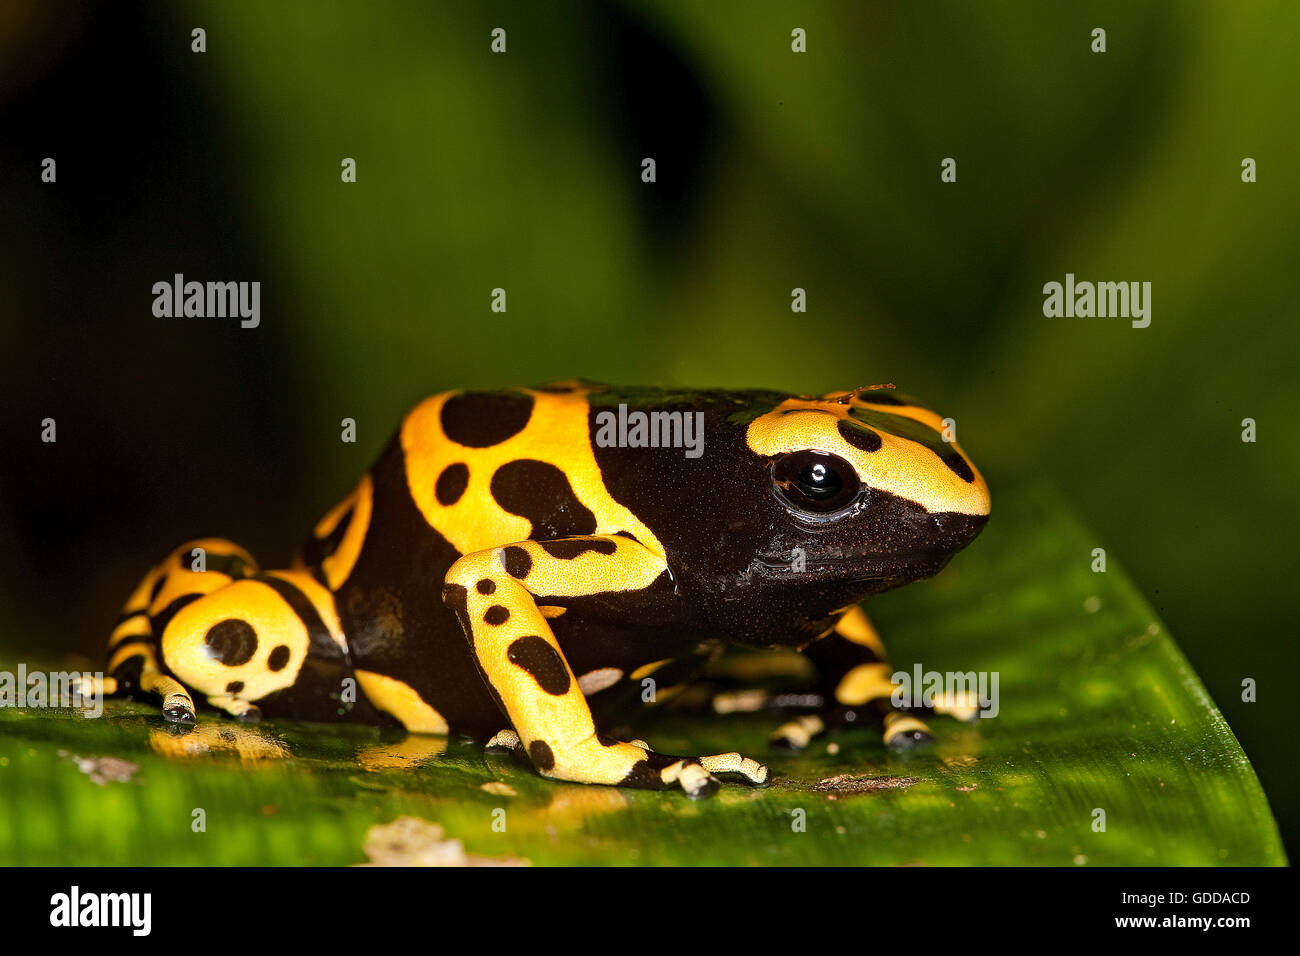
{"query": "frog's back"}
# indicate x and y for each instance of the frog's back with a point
(466, 471)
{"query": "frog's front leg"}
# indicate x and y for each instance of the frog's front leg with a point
(496, 594)
(855, 684)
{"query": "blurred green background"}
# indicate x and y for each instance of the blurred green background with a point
(775, 170)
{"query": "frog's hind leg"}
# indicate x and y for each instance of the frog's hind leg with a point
(856, 679)
(195, 569)
(493, 594)
(857, 689)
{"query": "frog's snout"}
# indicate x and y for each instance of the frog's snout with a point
(954, 530)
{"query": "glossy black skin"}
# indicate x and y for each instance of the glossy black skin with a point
(728, 539)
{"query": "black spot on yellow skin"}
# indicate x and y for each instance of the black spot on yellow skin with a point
(278, 658)
(234, 687)
(859, 436)
(487, 586)
(912, 430)
(540, 753)
(536, 656)
(880, 397)
(451, 484)
(483, 420)
(518, 562)
(496, 615)
(959, 466)
(454, 596)
(540, 492)
(157, 588)
(232, 642)
(568, 548)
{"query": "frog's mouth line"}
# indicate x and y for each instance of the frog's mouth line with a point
(879, 567)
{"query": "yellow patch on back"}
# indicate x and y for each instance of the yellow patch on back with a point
(557, 433)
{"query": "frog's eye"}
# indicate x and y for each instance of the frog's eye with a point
(814, 482)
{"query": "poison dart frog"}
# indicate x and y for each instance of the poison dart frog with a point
(515, 564)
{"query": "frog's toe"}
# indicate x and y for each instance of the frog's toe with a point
(179, 709)
(504, 740)
(696, 782)
(753, 771)
(904, 732)
(796, 734)
(252, 714)
(685, 772)
(960, 706)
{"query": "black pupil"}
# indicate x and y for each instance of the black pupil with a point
(819, 482)
(814, 482)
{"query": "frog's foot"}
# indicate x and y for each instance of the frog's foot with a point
(662, 772)
(749, 701)
(901, 730)
(178, 706)
(693, 774)
(797, 733)
(94, 686)
(959, 705)
(494, 594)
(748, 768)
(194, 570)
(243, 711)
(505, 740)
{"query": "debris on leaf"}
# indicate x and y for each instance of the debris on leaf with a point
(850, 784)
(102, 770)
(410, 841)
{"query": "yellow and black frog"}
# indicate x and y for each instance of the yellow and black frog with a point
(517, 562)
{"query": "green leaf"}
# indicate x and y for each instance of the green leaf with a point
(1098, 710)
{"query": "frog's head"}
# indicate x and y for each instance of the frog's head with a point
(865, 489)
